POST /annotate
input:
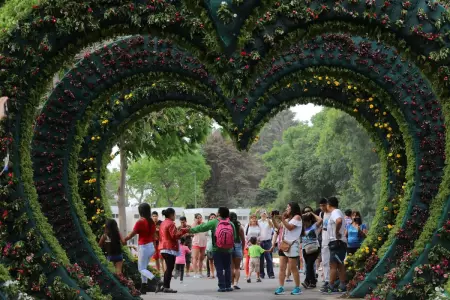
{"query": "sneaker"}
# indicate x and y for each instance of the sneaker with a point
(305, 285)
(312, 285)
(229, 289)
(297, 291)
(159, 287)
(249, 280)
(289, 280)
(236, 287)
(181, 281)
(258, 280)
(333, 290)
(272, 277)
(280, 291)
(342, 289)
(170, 291)
(324, 288)
(222, 290)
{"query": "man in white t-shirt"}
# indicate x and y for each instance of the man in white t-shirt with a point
(266, 226)
(325, 252)
(337, 244)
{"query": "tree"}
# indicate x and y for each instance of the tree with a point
(160, 135)
(176, 181)
(332, 157)
(235, 175)
(273, 131)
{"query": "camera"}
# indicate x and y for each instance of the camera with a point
(275, 213)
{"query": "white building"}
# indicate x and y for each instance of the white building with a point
(242, 213)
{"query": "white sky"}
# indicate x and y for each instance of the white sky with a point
(302, 113)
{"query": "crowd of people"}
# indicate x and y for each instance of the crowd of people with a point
(305, 240)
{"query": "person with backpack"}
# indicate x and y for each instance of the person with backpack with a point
(223, 236)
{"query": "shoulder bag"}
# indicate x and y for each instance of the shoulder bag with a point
(285, 246)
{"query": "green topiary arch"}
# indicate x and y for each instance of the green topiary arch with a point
(241, 61)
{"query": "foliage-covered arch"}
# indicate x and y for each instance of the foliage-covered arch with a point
(232, 44)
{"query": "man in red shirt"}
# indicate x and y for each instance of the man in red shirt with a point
(157, 256)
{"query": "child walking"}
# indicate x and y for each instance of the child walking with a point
(180, 261)
(113, 241)
(254, 252)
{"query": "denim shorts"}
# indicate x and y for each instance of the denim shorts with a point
(237, 250)
(338, 251)
(115, 258)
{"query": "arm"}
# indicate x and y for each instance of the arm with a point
(363, 232)
(122, 241)
(276, 222)
(338, 227)
(318, 219)
(241, 235)
(130, 236)
(174, 232)
(102, 241)
(203, 227)
(274, 240)
(270, 223)
(290, 226)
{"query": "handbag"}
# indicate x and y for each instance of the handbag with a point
(285, 246)
(311, 248)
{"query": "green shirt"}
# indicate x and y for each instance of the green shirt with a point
(255, 251)
(212, 225)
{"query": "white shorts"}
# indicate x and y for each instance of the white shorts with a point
(294, 251)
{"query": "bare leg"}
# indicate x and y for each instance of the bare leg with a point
(236, 270)
(211, 267)
(201, 260)
(195, 253)
(158, 265)
(333, 272)
(342, 274)
(283, 267)
(294, 270)
(118, 265)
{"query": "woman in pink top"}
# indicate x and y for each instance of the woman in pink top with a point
(181, 260)
(199, 242)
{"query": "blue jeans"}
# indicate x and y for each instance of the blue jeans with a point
(145, 253)
(266, 245)
(222, 261)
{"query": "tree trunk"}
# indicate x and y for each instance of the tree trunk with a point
(122, 201)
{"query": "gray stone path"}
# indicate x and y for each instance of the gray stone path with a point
(206, 289)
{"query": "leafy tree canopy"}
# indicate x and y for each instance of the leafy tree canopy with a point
(334, 156)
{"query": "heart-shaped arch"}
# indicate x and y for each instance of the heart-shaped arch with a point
(48, 34)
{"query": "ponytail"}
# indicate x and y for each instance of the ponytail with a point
(145, 212)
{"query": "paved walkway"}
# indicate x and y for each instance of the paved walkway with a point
(206, 289)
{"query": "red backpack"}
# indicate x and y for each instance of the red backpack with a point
(224, 235)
